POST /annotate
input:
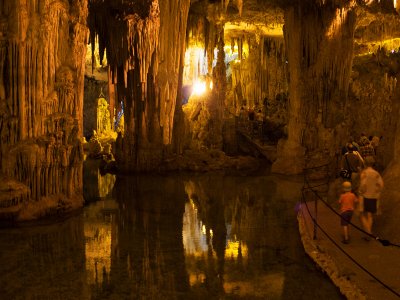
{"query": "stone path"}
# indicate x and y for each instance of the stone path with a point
(330, 254)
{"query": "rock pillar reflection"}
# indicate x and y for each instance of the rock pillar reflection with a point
(149, 253)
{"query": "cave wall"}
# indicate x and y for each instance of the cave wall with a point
(42, 51)
(373, 107)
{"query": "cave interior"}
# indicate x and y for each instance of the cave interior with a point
(165, 85)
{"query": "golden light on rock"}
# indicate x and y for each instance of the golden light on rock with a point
(234, 249)
(268, 30)
(229, 50)
(391, 45)
(337, 22)
(96, 59)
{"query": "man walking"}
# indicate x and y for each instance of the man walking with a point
(371, 185)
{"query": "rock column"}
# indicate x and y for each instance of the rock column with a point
(319, 46)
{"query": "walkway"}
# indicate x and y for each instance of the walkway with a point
(268, 151)
(252, 134)
(361, 269)
(383, 262)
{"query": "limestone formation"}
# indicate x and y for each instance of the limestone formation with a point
(42, 47)
(145, 45)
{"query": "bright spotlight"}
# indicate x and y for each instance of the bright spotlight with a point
(199, 87)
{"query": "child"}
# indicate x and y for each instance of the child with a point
(346, 201)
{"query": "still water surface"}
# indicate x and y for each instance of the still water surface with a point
(175, 237)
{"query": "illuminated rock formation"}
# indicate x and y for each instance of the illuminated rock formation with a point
(42, 50)
(145, 45)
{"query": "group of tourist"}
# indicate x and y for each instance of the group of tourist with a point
(362, 183)
(251, 114)
(365, 146)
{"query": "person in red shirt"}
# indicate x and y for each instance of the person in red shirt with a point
(347, 202)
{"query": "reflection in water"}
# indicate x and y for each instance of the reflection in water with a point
(235, 249)
(195, 236)
(98, 230)
(97, 186)
(198, 237)
(196, 247)
(44, 262)
(194, 232)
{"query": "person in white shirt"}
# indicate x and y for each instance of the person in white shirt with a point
(371, 185)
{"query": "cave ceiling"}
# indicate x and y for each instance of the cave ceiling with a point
(265, 17)
(377, 21)
(242, 16)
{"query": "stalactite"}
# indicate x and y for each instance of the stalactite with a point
(262, 74)
(142, 48)
(210, 43)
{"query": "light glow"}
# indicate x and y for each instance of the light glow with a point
(199, 87)
(195, 65)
